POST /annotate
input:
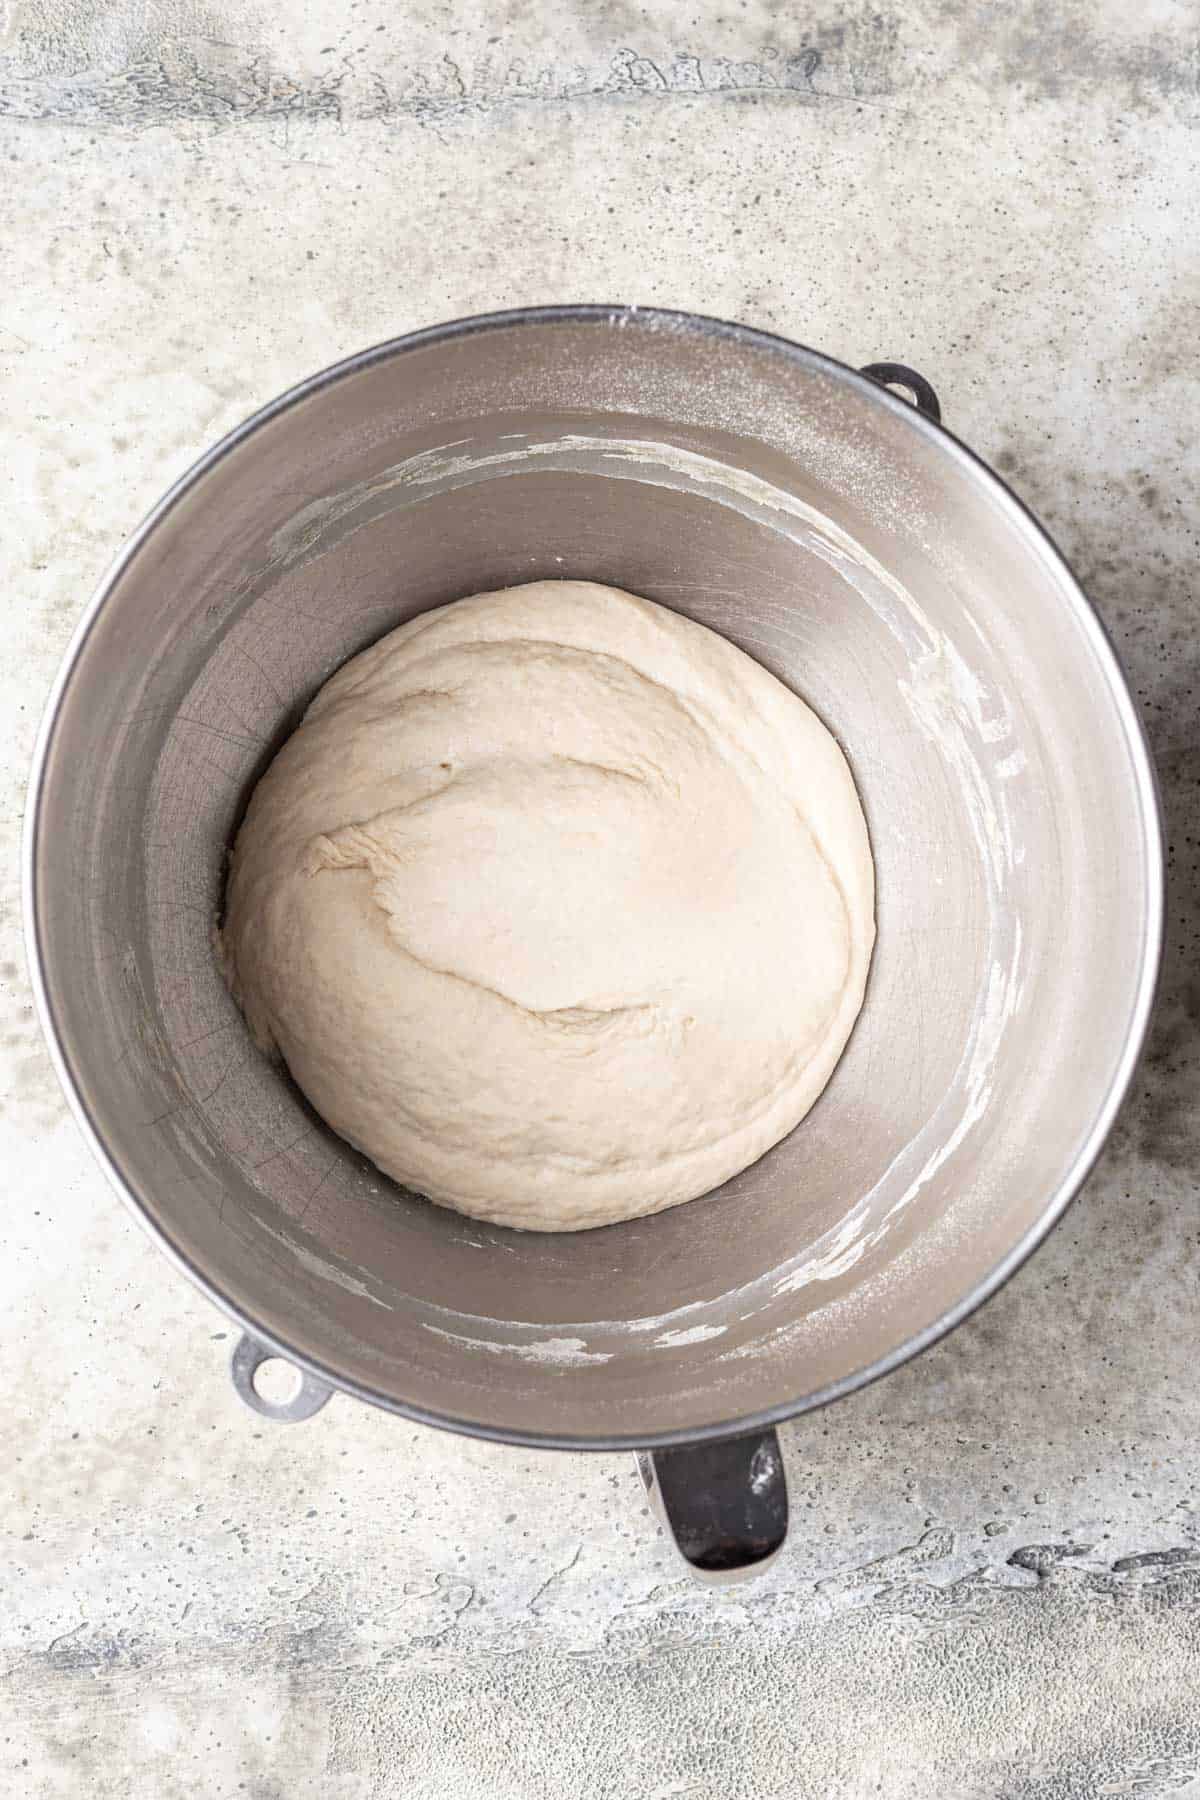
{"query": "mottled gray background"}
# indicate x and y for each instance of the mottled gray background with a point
(992, 1590)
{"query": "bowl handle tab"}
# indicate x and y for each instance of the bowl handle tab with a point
(248, 1357)
(724, 1502)
(890, 374)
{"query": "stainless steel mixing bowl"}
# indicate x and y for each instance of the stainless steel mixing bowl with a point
(860, 552)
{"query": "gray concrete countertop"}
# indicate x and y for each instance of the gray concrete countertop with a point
(992, 1587)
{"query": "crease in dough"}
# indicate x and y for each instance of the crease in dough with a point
(562, 914)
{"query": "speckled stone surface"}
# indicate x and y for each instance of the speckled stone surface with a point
(992, 1588)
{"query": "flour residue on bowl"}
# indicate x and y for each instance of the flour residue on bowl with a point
(565, 1352)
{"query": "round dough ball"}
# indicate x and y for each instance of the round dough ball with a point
(556, 904)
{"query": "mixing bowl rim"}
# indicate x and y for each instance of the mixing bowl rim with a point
(1023, 520)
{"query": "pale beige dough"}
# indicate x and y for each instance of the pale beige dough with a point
(556, 904)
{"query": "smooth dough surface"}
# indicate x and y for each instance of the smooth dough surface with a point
(556, 904)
